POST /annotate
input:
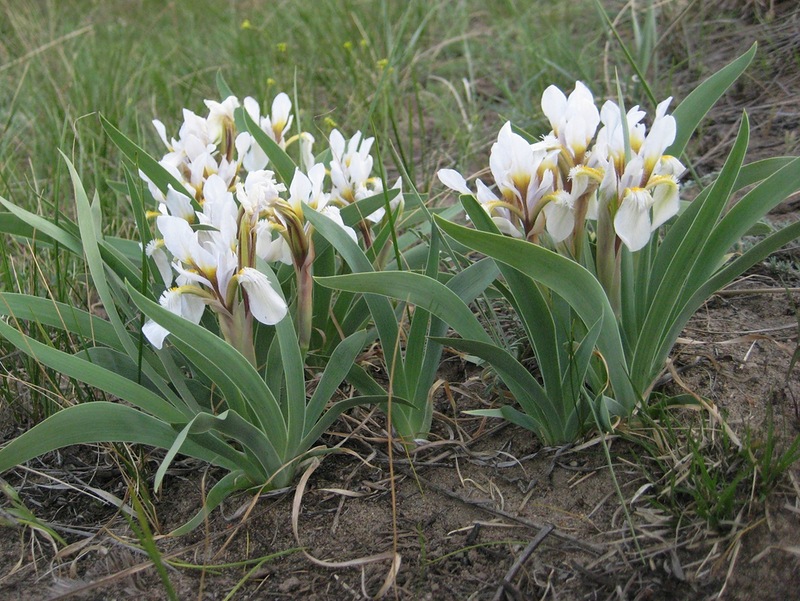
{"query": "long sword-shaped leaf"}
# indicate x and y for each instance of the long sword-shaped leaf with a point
(543, 409)
(418, 289)
(230, 483)
(59, 315)
(94, 422)
(294, 380)
(339, 365)
(338, 408)
(92, 374)
(678, 264)
(40, 224)
(530, 304)
(380, 308)
(694, 107)
(569, 280)
(723, 277)
(224, 365)
(91, 250)
(282, 162)
(149, 166)
(755, 204)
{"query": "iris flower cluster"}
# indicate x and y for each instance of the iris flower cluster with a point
(231, 210)
(577, 172)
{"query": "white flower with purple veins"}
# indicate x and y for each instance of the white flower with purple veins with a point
(573, 119)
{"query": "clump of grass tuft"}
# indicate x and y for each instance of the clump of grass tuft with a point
(699, 466)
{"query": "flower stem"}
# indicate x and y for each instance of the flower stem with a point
(305, 301)
(237, 329)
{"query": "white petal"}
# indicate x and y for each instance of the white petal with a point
(266, 305)
(632, 221)
(252, 108)
(560, 217)
(453, 180)
(300, 188)
(506, 227)
(666, 202)
(162, 132)
(669, 165)
(554, 105)
(156, 252)
(281, 109)
(485, 195)
(334, 215)
(306, 150)
(155, 333)
(337, 144)
(662, 107)
(178, 204)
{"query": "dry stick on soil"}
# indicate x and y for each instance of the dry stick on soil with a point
(526, 554)
(122, 574)
(592, 548)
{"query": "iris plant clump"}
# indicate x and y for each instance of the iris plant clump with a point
(225, 220)
(583, 234)
(598, 256)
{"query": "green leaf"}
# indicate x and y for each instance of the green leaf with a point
(149, 166)
(282, 162)
(90, 237)
(382, 314)
(97, 422)
(230, 483)
(569, 280)
(684, 252)
(514, 416)
(59, 315)
(339, 365)
(340, 407)
(727, 274)
(223, 365)
(294, 378)
(222, 86)
(417, 289)
(39, 224)
(753, 206)
(94, 375)
(544, 410)
(694, 107)
(531, 306)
